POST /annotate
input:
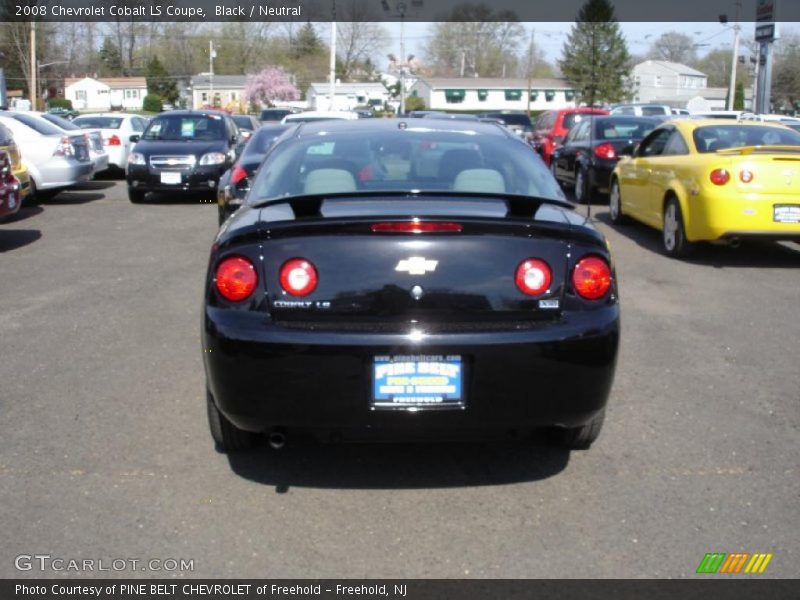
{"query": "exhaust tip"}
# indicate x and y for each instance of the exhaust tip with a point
(276, 439)
(735, 242)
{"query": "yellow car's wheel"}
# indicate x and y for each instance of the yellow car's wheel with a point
(615, 204)
(674, 233)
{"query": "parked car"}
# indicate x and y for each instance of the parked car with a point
(60, 111)
(10, 194)
(447, 115)
(182, 151)
(94, 138)
(473, 300)
(235, 182)
(591, 150)
(55, 160)
(518, 122)
(642, 110)
(680, 112)
(320, 115)
(247, 124)
(275, 115)
(552, 126)
(18, 168)
(116, 130)
(709, 180)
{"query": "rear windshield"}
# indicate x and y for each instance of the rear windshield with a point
(261, 141)
(416, 158)
(37, 124)
(274, 114)
(98, 122)
(186, 127)
(653, 111)
(719, 137)
(243, 122)
(59, 122)
(6, 138)
(623, 129)
(513, 119)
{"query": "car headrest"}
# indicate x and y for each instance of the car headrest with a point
(480, 180)
(330, 181)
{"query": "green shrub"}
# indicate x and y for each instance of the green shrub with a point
(59, 103)
(414, 103)
(152, 103)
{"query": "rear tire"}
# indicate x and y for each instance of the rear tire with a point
(581, 438)
(227, 437)
(673, 234)
(136, 196)
(583, 194)
(615, 204)
(553, 170)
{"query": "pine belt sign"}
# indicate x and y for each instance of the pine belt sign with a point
(766, 29)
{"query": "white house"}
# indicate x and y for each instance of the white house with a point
(493, 94)
(665, 82)
(225, 91)
(106, 93)
(346, 95)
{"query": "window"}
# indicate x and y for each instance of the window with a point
(482, 95)
(234, 96)
(675, 145)
(657, 81)
(549, 95)
(534, 95)
(653, 144)
(80, 94)
(204, 97)
(569, 95)
(454, 96)
(513, 94)
(579, 132)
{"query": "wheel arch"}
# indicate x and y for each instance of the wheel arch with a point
(677, 191)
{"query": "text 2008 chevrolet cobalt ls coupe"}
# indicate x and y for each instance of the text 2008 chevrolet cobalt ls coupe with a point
(407, 278)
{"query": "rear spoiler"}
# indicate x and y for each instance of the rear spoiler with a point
(518, 206)
(748, 150)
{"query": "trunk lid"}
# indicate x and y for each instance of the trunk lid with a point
(775, 170)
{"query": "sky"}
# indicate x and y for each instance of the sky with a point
(551, 36)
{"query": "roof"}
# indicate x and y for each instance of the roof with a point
(220, 81)
(350, 88)
(365, 126)
(495, 83)
(115, 83)
(678, 68)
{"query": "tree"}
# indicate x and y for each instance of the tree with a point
(595, 57)
(270, 85)
(358, 37)
(159, 82)
(110, 59)
(717, 66)
(786, 73)
(738, 96)
(307, 42)
(675, 47)
(475, 41)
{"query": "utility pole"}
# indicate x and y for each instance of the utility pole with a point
(404, 63)
(332, 90)
(530, 69)
(211, 56)
(33, 85)
(736, 28)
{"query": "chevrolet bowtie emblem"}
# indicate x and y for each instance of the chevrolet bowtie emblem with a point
(416, 265)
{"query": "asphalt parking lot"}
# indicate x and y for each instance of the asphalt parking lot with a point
(105, 451)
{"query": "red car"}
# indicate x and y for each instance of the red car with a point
(9, 187)
(552, 126)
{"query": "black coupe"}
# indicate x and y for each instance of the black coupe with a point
(407, 278)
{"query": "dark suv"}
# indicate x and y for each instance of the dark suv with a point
(182, 151)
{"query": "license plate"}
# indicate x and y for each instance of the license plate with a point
(417, 382)
(786, 213)
(170, 178)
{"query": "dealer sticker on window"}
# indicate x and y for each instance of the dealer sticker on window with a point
(417, 382)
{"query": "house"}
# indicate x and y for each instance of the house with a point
(665, 82)
(346, 95)
(716, 98)
(224, 91)
(105, 93)
(493, 94)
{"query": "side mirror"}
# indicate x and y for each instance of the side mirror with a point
(135, 138)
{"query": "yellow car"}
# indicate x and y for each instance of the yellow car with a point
(711, 180)
(19, 170)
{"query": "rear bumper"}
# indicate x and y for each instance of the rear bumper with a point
(719, 217)
(63, 172)
(264, 376)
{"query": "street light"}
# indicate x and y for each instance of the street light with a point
(405, 65)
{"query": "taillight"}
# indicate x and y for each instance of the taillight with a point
(416, 227)
(605, 151)
(719, 176)
(533, 277)
(591, 278)
(745, 176)
(64, 147)
(298, 277)
(238, 174)
(236, 278)
(113, 141)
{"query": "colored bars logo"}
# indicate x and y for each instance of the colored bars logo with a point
(734, 563)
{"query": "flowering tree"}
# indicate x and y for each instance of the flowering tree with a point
(269, 85)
